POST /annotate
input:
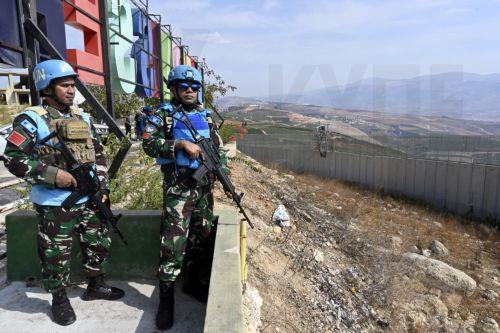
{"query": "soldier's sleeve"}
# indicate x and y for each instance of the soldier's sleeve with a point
(20, 151)
(100, 159)
(154, 142)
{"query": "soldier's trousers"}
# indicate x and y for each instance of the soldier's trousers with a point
(56, 228)
(187, 219)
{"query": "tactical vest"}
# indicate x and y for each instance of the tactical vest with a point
(76, 134)
(181, 132)
(75, 129)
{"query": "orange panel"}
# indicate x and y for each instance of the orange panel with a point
(91, 57)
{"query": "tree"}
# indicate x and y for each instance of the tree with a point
(125, 104)
(215, 86)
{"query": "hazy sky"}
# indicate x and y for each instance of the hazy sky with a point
(255, 44)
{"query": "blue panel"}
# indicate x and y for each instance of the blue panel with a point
(51, 22)
(9, 33)
(145, 74)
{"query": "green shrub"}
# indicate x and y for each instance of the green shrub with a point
(228, 132)
(139, 184)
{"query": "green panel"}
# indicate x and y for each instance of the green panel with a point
(166, 55)
(138, 260)
(22, 260)
(122, 64)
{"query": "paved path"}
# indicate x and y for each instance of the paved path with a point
(5, 175)
(7, 195)
(25, 309)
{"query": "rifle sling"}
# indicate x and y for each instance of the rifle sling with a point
(71, 200)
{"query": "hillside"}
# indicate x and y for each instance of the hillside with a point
(351, 262)
(370, 123)
(426, 137)
(455, 94)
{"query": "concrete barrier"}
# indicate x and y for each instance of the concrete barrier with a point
(224, 307)
(464, 197)
(410, 168)
(139, 260)
(440, 184)
(452, 182)
(478, 188)
(491, 190)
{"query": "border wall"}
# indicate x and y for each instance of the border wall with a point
(459, 187)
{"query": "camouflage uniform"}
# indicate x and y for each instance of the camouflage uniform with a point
(188, 223)
(56, 227)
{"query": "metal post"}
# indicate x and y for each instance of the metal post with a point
(160, 62)
(203, 88)
(103, 16)
(20, 19)
(32, 57)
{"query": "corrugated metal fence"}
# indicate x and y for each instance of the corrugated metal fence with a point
(459, 187)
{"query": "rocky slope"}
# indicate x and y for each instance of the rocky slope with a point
(358, 261)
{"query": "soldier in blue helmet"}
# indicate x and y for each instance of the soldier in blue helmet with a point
(187, 220)
(147, 111)
(44, 168)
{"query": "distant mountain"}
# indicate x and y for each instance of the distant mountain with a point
(226, 102)
(456, 95)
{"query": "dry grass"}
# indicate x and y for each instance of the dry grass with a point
(474, 246)
(372, 219)
(8, 112)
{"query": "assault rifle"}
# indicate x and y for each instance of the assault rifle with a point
(210, 161)
(87, 181)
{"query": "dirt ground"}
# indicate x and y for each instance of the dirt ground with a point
(341, 266)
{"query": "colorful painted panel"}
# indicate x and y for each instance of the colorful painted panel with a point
(91, 57)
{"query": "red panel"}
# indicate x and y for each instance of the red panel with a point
(193, 63)
(92, 56)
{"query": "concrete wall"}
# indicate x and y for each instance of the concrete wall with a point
(138, 260)
(455, 186)
(224, 307)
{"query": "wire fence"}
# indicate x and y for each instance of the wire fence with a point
(439, 171)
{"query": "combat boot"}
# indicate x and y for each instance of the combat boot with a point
(62, 312)
(98, 289)
(165, 314)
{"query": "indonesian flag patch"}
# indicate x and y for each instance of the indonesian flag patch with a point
(16, 138)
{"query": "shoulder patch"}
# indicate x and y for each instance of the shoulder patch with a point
(28, 126)
(155, 120)
(16, 138)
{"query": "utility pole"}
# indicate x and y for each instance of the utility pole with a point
(103, 17)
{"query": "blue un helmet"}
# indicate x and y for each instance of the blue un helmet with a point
(47, 71)
(184, 73)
